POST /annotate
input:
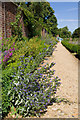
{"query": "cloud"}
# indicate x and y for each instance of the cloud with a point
(72, 9)
(68, 20)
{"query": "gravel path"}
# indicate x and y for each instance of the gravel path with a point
(67, 69)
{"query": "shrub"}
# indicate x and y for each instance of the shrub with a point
(29, 65)
(72, 48)
(31, 92)
(25, 47)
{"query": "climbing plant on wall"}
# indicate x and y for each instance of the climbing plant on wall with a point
(16, 26)
(38, 15)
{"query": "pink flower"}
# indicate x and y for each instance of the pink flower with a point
(7, 40)
(0, 61)
(5, 56)
(6, 60)
(13, 48)
(3, 60)
(5, 51)
(2, 44)
(1, 38)
(10, 54)
(13, 43)
(10, 49)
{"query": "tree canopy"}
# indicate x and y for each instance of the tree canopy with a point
(38, 15)
(76, 33)
(64, 32)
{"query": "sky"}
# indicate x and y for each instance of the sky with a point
(66, 14)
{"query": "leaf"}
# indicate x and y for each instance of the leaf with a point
(9, 92)
(16, 102)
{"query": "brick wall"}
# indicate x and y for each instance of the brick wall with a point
(0, 17)
(9, 10)
(43, 32)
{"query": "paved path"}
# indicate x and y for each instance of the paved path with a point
(67, 69)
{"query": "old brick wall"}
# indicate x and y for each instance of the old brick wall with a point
(43, 32)
(0, 17)
(24, 28)
(9, 11)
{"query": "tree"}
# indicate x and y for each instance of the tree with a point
(38, 15)
(76, 33)
(64, 32)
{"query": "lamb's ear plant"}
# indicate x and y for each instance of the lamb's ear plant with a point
(31, 92)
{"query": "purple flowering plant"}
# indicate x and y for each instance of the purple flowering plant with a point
(33, 89)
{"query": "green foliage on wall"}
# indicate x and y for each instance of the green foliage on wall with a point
(39, 15)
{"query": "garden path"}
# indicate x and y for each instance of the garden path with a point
(67, 69)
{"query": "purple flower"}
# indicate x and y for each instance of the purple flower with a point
(34, 95)
(13, 48)
(2, 44)
(13, 75)
(19, 67)
(13, 43)
(10, 49)
(6, 60)
(30, 74)
(31, 58)
(59, 82)
(55, 89)
(26, 59)
(14, 88)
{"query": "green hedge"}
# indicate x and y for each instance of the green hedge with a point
(72, 48)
